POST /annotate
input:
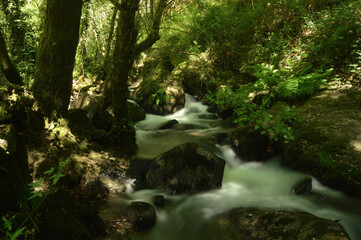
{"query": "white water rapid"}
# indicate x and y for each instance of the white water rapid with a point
(261, 185)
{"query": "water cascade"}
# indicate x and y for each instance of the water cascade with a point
(265, 185)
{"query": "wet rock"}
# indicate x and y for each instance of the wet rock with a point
(212, 108)
(141, 215)
(250, 144)
(158, 201)
(187, 168)
(327, 142)
(225, 113)
(253, 224)
(96, 190)
(208, 116)
(135, 112)
(219, 138)
(303, 187)
(169, 124)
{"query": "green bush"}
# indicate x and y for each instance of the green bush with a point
(336, 35)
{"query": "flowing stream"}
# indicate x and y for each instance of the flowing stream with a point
(245, 184)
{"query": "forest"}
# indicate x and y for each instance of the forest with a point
(173, 120)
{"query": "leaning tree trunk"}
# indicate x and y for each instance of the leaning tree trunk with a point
(56, 55)
(10, 72)
(122, 132)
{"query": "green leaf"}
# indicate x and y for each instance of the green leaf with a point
(50, 171)
(17, 233)
(7, 223)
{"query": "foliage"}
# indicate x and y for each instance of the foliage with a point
(272, 85)
(22, 22)
(334, 34)
(277, 126)
(283, 83)
(94, 29)
(8, 227)
(324, 161)
(38, 191)
(158, 98)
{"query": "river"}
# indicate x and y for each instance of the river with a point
(265, 185)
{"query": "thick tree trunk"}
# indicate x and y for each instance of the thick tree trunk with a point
(122, 132)
(10, 72)
(56, 56)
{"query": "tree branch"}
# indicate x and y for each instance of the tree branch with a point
(116, 4)
(153, 36)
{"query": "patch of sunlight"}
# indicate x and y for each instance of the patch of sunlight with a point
(356, 144)
(4, 144)
(95, 155)
(331, 94)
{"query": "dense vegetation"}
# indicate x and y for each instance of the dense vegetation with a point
(256, 60)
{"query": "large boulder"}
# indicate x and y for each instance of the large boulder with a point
(328, 141)
(136, 113)
(250, 144)
(254, 224)
(187, 168)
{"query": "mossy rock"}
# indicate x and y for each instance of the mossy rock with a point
(187, 168)
(254, 224)
(328, 142)
(250, 144)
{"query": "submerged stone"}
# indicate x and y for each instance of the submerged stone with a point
(158, 201)
(303, 187)
(169, 124)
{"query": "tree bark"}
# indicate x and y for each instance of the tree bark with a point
(122, 132)
(56, 55)
(154, 32)
(9, 70)
(110, 39)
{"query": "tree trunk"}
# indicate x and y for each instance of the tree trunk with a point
(14, 18)
(9, 70)
(56, 55)
(122, 132)
(110, 39)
